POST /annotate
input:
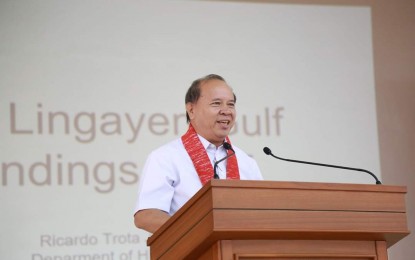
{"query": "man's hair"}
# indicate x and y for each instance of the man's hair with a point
(193, 93)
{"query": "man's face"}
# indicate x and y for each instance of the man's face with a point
(213, 115)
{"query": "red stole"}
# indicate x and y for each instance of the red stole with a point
(201, 161)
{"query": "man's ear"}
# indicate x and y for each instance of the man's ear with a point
(189, 109)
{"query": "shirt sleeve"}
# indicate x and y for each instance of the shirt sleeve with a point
(156, 184)
(256, 172)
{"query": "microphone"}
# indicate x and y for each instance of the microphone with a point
(267, 151)
(227, 146)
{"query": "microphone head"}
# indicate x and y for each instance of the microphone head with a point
(227, 146)
(267, 151)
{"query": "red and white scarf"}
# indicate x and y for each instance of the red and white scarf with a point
(200, 158)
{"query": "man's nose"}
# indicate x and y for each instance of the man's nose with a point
(225, 111)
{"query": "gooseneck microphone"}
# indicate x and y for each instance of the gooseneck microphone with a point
(268, 152)
(227, 146)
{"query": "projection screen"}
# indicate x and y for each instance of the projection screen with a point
(89, 88)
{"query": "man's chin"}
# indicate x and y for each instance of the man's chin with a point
(223, 134)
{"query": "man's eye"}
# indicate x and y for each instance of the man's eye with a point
(216, 103)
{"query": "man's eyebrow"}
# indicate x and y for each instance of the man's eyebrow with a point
(218, 98)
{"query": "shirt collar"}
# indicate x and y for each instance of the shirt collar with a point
(206, 144)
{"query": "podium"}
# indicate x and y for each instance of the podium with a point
(252, 220)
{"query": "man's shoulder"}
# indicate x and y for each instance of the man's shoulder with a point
(172, 146)
(239, 150)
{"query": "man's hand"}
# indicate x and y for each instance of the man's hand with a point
(150, 219)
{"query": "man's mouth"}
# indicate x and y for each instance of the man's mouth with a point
(224, 122)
